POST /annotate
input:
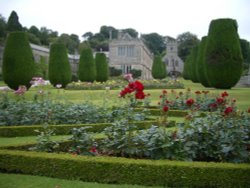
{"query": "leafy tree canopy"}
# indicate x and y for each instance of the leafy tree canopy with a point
(186, 42)
(13, 23)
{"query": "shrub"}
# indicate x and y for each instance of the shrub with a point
(87, 68)
(126, 171)
(18, 63)
(159, 68)
(136, 73)
(59, 67)
(115, 72)
(223, 58)
(101, 67)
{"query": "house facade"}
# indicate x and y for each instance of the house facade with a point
(127, 53)
(173, 62)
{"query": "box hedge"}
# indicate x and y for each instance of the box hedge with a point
(126, 171)
(16, 131)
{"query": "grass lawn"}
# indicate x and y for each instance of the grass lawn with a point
(27, 181)
(242, 95)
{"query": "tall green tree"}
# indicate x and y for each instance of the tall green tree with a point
(200, 63)
(13, 23)
(186, 42)
(245, 49)
(18, 61)
(59, 67)
(159, 68)
(154, 42)
(101, 67)
(87, 68)
(2, 28)
(223, 57)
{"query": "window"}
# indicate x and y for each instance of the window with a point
(126, 69)
(130, 51)
(176, 63)
(121, 51)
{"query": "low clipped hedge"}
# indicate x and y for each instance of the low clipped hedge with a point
(126, 171)
(16, 131)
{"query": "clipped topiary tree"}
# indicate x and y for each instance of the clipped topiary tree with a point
(18, 61)
(87, 69)
(223, 57)
(101, 67)
(200, 66)
(159, 68)
(59, 67)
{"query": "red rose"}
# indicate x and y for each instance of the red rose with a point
(228, 110)
(224, 94)
(140, 95)
(190, 102)
(213, 105)
(219, 100)
(248, 110)
(165, 108)
(138, 86)
(197, 92)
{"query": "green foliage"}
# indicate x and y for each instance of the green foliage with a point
(62, 129)
(217, 138)
(44, 140)
(42, 68)
(101, 67)
(18, 64)
(70, 41)
(200, 63)
(245, 49)
(159, 68)
(223, 57)
(192, 64)
(13, 23)
(126, 171)
(87, 67)
(115, 72)
(136, 73)
(186, 42)
(59, 67)
(82, 141)
(2, 29)
(154, 42)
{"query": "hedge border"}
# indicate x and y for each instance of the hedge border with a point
(126, 171)
(29, 130)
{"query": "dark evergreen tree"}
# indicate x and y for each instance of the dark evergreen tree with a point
(159, 68)
(101, 67)
(200, 68)
(18, 61)
(13, 23)
(87, 68)
(59, 67)
(223, 57)
(193, 64)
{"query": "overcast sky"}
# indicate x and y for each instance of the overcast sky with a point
(165, 17)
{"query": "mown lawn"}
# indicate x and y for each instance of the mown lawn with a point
(102, 97)
(27, 181)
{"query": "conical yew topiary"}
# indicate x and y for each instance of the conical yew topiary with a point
(18, 61)
(59, 67)
(101, 67)
(159, 68)
(87, 68)
(200, 66)
(223, 57)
